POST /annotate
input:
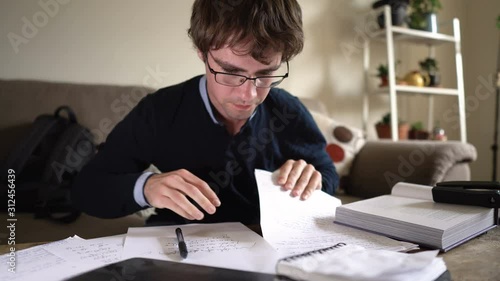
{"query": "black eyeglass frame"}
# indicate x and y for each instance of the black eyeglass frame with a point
(254, 80)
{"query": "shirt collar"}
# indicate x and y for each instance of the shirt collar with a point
(204, 97)
(206, 100)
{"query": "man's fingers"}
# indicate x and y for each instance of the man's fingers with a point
(284, 172)
(303, 180)
(169, 204)
(172, 190)
(203, 187)
(182, 201)
(314, 183)
(194, 193)
(299, 177)
(172, 199)
(295, 174)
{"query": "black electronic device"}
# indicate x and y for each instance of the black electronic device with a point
(159, 270)
(475, 193)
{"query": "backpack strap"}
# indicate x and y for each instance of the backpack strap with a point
(69, 112)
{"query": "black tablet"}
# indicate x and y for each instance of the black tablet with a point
(142, 269)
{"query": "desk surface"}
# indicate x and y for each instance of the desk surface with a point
(478, 259)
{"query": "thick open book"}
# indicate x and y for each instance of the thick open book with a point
(409, 214)
(352, 262)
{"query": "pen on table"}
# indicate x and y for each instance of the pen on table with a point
(182, 245)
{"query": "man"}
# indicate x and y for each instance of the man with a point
(207, 135)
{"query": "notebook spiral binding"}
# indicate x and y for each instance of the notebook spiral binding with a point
(310, 253)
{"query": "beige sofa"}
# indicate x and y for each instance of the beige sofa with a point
(375, 169)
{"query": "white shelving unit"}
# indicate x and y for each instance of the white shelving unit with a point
(390, 35)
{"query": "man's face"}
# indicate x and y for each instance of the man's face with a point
(236, 104)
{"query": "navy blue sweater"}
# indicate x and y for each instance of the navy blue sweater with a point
(172, 130)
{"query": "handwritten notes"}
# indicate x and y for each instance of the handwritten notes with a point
(208, 244)
(293, 226)
(33, 262)
(62, 259)
(99, 251)
(220, 243)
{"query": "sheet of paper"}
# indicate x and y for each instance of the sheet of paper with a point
(227, 245)
(99, 251)
(293, 226)
(62, 259)
(411, 190)
(37, 263)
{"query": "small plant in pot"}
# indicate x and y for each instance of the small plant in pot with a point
(383, 74)
(383, 128)
(423, 14)
(429, 66)
(417, 132)
(398, 11)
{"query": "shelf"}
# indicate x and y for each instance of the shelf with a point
(414, 36)
(393, 34)
(420, 90)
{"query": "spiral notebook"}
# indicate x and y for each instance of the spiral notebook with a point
(302, 266)
(352, 262)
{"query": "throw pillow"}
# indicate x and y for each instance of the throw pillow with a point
(343, 142)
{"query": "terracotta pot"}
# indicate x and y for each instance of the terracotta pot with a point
(384, 81)
(384, 131)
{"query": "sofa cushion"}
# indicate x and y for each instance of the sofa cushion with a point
(343, 141)
(381, 164)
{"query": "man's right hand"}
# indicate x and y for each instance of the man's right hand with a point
(169, 191)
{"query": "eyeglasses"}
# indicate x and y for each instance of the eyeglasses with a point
(236, 80)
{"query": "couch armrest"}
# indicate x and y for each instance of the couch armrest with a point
(381, 164)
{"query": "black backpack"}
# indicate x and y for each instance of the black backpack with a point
(44, 164)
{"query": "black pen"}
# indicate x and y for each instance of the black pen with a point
(182, 245)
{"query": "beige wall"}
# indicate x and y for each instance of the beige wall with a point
(482, 48)
(125, 41)
(94, 41)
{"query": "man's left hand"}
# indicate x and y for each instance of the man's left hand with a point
(299, 177)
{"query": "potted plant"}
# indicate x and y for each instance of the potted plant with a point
(429, 66)
(398, 11)
(383, 128)
(423, 14)
(383, 73)
(417, 132)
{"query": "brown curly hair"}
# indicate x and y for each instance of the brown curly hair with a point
(265, 24)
